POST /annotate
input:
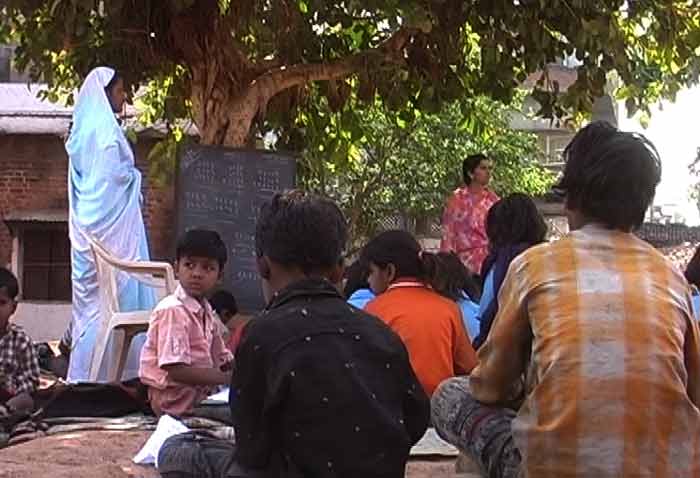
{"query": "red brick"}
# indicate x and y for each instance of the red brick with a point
(33, 176)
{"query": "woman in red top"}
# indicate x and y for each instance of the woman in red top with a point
(429, 324)
(464, 220)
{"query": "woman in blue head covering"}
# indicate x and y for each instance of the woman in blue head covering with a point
(104, 192)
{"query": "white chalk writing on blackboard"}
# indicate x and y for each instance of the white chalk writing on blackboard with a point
(190, 156)
(244, 275)
(234, 176)
(242, 250)
(267, 180)
(195, 201)
(200, 202)
(224, 189)
(204, 172)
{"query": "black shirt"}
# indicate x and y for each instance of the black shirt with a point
(326, 389)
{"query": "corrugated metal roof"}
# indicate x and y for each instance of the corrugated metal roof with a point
(23, 112)
(21, 99)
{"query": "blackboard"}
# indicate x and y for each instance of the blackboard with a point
(222, 189)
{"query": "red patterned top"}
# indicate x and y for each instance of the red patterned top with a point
(464, 226)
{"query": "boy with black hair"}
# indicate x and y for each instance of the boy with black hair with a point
(601, 325)
(224, 303)
(225, 306)
(19, 363)
(324, 389)
(182, 359)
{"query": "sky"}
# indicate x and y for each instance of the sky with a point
(675, 132)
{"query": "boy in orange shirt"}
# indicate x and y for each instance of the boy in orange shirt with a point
(429, 324)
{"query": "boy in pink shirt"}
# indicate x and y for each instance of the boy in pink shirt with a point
(184, 354)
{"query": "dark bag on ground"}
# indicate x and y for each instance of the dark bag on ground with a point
(103, 400)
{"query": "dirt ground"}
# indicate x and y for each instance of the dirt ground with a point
(107, 454)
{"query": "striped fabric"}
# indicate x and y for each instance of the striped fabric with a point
(602, 326)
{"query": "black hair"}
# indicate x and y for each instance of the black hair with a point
(610, 176)
(356, 278)
(296, 229)
(470, 164)
(451, 278)
(8, 281)
(223, 300)
(514, 220)
(202, 243)
(692, 271)
(395, 247)
(402, 250)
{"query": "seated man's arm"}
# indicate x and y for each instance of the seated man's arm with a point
(196, 375)
(504, 355)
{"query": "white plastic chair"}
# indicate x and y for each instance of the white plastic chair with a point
(122, 326)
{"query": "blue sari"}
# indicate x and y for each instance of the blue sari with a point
(104, 195)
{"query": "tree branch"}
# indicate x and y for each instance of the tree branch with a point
(282, 78)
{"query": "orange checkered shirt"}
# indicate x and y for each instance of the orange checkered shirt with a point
(602, 326)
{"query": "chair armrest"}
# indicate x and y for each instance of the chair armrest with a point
(134, 267)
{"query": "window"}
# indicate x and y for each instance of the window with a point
(46, 273)
(553, 146)
(41, 254)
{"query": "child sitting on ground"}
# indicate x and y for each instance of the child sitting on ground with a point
(513, 225)
(19, 364)
(601, 325)
(224, 304)
(457, 284)
(430, 325)
(327, 390)
(356, 290)
(182, 359)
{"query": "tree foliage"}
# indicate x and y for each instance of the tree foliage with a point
(694, 169)
(239, 67)
(377, 164)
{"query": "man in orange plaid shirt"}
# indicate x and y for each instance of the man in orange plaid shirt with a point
(600, 326)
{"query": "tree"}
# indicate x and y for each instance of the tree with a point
(694, 169)
(376, 164)
(238, 67)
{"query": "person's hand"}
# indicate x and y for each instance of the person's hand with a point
(228, 366)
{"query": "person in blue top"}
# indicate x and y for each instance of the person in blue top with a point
(456, 283)
(104, 199)
(513, 225)
(692, 275)
(357, 291)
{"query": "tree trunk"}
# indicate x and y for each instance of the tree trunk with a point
(223, 112)
(229, 91)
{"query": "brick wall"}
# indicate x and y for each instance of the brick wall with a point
(33, 176)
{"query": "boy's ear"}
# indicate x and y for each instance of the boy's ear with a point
(264, 267)
(14, 306)
(391, 273)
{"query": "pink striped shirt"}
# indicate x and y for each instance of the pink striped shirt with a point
(181, 331)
